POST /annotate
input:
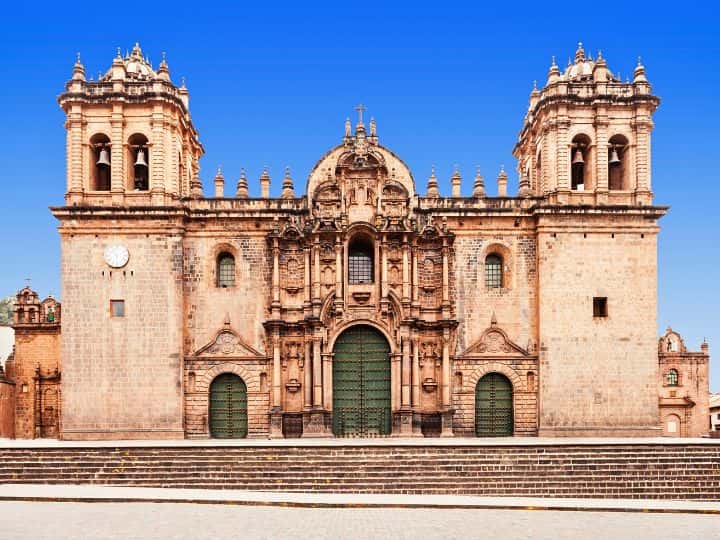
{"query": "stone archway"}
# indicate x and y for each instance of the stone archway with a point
(361, 383)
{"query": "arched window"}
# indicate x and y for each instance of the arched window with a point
(580, 163)
(100, 162)
(617, 163)
(671, 377)
(360, 261)
(225, 270)
(493, 271)
(139, 162)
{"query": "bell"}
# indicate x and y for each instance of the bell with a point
(103, 158)
(578, 157)
(614, 159)
(140, 161)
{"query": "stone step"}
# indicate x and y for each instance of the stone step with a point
(648, 471)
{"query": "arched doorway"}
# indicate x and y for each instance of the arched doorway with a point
(361, 383)
(494, 406)
(228, 407)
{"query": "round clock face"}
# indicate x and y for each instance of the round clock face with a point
(116, 255)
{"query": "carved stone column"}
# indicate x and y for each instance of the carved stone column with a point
(276, 411)
(327, 380)
(339, 298)
(446, 388)
(307, 375)
(445, 280)
(117, 154)
(406, 271)
(275, 307)
(317, 420)
(316, 301)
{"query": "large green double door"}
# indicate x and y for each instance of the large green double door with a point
(361, 384)
(494, 406)
(228, 407)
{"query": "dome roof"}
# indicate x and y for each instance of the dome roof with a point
(136, 65)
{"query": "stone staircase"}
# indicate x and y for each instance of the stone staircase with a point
(656, 471)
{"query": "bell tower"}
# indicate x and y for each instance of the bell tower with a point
(586, 136)
(130, 137)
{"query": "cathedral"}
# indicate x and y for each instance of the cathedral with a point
(364, 307)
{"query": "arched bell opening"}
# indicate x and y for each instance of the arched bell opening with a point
(580, 165)
(100, 165)
(227, 414)
(138, 158)
(617, 163)
(494, 406)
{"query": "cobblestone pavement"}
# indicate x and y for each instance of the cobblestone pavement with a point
(56, 521)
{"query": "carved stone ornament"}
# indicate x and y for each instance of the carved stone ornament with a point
(227, 344)
(495, 342)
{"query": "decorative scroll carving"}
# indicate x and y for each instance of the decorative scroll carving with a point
(494, 342)
(227, 343)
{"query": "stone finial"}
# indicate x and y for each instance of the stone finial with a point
(502, 180)
(579, 53)
(373, 128)
(242, 186)
(163, 70)
(265, 183)
(639, 72)
(78, 70)
(432, 185)
(479, 184)
(219, 183)
(524, 186)
(704, 347)
(456, 182)
(348, 127)
(117, 69)
(553, 72)
(196, 187)
(288, 192)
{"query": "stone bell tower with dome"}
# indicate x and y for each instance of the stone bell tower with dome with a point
(361, 308)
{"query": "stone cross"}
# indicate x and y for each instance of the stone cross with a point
(360, 108)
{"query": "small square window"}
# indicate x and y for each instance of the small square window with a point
(117, 308)
(600, 308)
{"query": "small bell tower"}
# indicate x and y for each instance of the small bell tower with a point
(130, 136)
(586, 136)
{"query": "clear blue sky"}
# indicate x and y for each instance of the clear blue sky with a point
(447, 83)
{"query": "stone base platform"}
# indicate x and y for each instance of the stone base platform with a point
(681, 469)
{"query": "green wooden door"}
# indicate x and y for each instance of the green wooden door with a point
(493, 406)
(228, 407)
(361, 384)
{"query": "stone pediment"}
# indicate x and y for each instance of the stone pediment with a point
(494, 342)
(227, 344)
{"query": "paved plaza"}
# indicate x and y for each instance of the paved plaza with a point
(64, 520)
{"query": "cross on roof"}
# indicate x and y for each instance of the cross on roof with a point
(360, 108)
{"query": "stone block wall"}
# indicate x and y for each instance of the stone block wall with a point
(596, 373)
(122, 375)
(34, 348)
(208, 306)
(515, 304)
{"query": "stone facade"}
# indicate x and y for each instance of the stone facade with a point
(683, 387)
(551, 291)
(34, 401)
